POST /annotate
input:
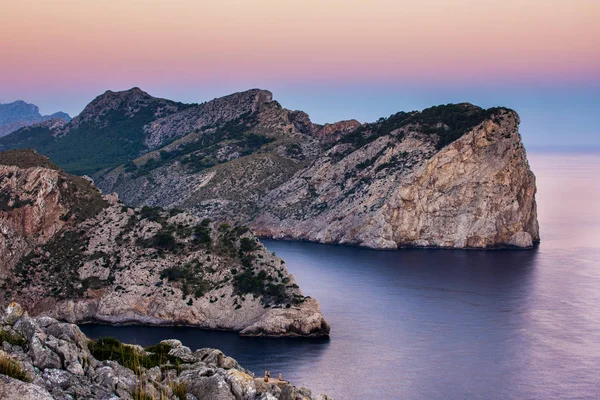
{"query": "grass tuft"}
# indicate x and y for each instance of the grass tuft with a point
(11, 368)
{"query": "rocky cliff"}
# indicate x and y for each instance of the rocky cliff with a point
(73, 254)
(18, 114)
(400, 190)
(44, 359)
(453, 176)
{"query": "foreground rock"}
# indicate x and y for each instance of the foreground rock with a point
(57, 361)
(70, 253)
(452, 176)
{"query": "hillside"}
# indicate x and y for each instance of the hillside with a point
(73, 254)
(451, 176)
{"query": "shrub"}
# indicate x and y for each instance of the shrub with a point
(173, 274)
(111, 349)
(130, 167)
(247, 245)
(164, 239)
(151, 213)
(202, 233)
(247, 282)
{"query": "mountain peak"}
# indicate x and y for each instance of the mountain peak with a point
(127, 101)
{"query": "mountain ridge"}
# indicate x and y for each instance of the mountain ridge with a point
(244, 157)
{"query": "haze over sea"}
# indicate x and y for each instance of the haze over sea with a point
(433, 324)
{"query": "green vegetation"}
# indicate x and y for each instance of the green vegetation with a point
(83, 199)
(200, 154)
(12, 338)
(191, 277)
(202, 233)
(59, 271)
(93, 145)
(179, 389)
(153, 214)
(451, 121)
(7, 205)
(248, 282)
(11, 368)
(26, 158)
(247, 244)
(365, 134)
(108, 348)
(165, 240)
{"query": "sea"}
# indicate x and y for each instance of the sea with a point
(419, 324)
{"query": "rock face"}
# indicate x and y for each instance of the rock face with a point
(476, 192)
(57, 361)
(73, 254)
(18, 114)
(453, 176)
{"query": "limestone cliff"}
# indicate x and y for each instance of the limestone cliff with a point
(70, 253)
(476, 192)
(44, 359)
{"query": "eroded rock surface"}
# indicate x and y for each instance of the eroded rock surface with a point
(106, 369)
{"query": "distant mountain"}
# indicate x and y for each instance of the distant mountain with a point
(454, 175)
(19, 114)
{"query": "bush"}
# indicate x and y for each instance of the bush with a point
(151, 213)
(247, 245)
(247, 282)
(173, 274)
(202, 232)
(111, 349)
(165, 240)
(130, 167)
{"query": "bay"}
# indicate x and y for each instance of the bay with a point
(451, 324)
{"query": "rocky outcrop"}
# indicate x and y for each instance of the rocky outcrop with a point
(37, 200)
(476, 192)
(19, 114)
(77, 256)
(55, 360)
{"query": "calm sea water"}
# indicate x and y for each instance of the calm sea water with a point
(441, 324)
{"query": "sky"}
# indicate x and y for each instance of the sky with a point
(335, 59)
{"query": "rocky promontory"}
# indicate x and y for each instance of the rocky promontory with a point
(44, 359)
(70, 253)
(450, 176)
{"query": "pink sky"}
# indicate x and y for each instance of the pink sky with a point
(72, 43)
